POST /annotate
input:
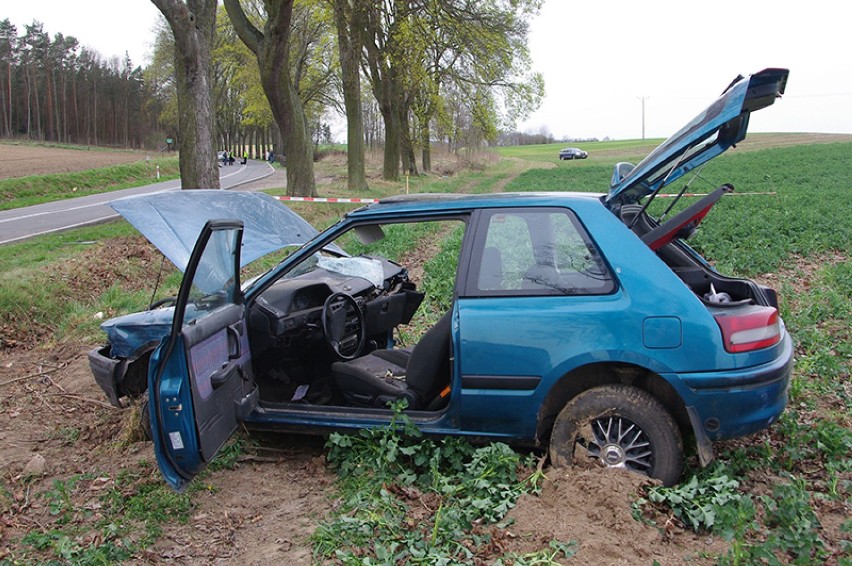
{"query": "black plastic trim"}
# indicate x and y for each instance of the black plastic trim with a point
(512, 382)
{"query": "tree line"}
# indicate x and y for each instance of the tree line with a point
(52, 89)
(256, 74)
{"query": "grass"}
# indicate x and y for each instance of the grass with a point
(53, 286)
(628, 150)
(768, 495)
(97, 519)
(37, 189)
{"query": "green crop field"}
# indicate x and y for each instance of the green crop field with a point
(782, 496)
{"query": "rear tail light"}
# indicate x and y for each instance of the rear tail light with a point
(756, 329)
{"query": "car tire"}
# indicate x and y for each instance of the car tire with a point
(618, 426)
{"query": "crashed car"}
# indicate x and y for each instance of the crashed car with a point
(575, 322)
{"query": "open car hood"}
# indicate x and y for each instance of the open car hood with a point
(172, 221)
(720, 126)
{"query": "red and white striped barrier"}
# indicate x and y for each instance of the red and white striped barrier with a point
(672, 195)
(330, 199)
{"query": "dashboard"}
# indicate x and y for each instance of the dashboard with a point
(285, 321)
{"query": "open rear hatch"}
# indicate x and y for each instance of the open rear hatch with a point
(633, 188)
(720, 126)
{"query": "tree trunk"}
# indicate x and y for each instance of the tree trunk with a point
(9, 76)
(194, 27)
(427, 148)
(272, 49)
(349, 48)
(390, 167)
(48, 104)
(409, 163)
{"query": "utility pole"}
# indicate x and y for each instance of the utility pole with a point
(643, 99)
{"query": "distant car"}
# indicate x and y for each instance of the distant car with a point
(571, 321)
(573, 153)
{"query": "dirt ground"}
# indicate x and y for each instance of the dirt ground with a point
(21, 160)
(54, 424)
(265, 509)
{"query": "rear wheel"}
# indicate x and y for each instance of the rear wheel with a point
(618, 426)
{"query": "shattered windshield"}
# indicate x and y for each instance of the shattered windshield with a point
(364, 267)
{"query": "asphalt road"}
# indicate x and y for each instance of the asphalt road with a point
(22, 223)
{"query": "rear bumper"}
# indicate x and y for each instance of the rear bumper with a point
(741, 402)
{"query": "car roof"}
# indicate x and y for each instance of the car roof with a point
(432, 203)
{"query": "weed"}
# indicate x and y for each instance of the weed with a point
(794, 524)
(59, 501)
(69, 549)
(697, 502)
(230, 454)
(544, 557)
(148, 502)
(69, 435)
(118, 522)
(385, 471)
(789, 534)
(846, 543)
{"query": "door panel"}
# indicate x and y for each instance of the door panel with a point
(200, 378)
(220, 374)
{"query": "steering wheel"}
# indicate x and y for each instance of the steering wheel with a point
(343, 326)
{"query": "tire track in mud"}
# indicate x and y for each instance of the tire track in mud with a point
(517, 166)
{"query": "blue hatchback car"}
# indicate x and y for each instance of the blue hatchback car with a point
(574, 322)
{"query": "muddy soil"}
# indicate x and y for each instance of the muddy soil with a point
(264, 510)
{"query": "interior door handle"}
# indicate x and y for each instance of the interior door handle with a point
(235, 332)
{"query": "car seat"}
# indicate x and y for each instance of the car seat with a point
(415, 374)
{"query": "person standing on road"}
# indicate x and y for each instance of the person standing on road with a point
(245, 157)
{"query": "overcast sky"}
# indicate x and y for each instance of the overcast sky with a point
(600, 58)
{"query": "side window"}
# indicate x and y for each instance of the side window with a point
(536, 252)
(214, 283)
(508, 253)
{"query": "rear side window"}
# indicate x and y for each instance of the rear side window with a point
(535, 252)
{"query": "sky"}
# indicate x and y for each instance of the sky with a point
(601, 59)
(110, 27)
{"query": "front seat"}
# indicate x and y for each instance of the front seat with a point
(416, 375)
